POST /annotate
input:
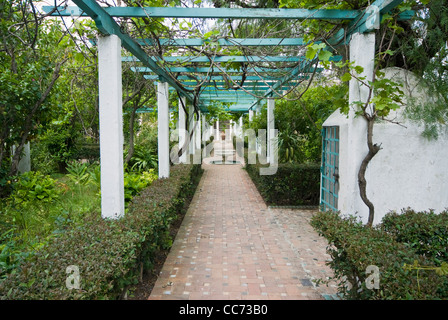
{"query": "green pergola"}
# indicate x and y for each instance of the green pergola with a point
(360, 21)
(260, 83)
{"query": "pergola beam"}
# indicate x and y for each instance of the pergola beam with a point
(234, 78)
(227, 70)
(107, 25)
(205, 59)
(227, 42)
(246, 84)
(217, 59)
(225, 90)
(214, 13)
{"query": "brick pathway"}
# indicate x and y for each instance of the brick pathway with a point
(231, 246)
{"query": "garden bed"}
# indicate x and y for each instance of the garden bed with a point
(110, 254)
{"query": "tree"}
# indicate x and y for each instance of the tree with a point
(137, 93)
(32, 54)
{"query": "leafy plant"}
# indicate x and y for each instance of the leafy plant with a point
(135, 182)
(78, 172)
(143, 159)
(425, 232)
(34, 186)
(95, 175)
(294, 184)
(289, 145)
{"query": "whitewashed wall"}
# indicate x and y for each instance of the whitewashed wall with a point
(409, 171)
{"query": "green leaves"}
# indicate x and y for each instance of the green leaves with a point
(136, 182)
(404, 272)
(346, 77)
(34, 186)
(314, 49)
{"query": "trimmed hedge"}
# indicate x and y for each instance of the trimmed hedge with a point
(108, 253)
(425, 232)
(292, 185)
(353, 247)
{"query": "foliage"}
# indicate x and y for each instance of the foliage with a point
(34, 186)
(109, 253)
(424, 232)
(143, 159)
(78, 172)
(40, 207)
(135, 182)
(30, 64)
(293, 184)
(353, 247)
(299, 123)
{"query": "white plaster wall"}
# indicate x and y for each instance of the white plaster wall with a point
(409, 171)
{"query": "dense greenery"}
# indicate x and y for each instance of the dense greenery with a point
(293, 184)
(299, 123)
(39, 207)
(408, 249)
(108, 253)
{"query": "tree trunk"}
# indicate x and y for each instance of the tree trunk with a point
(131, 135)
(362, 182)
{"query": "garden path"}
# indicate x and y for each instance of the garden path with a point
(232, 246)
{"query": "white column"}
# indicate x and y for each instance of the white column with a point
(230, 130)
(218, 134)
(270, 128)
(198, 132)
(251, 115)
(241, 127)
(190, 128)
(25, 158)
(163, 130)
(257, 112)
(111, 127)
(362, 53)
(182, 129)
(204, 129)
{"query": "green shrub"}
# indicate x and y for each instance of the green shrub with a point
(108, 253)
(353, 247)
(135, 182)
(78, 172)
(425, 232)
(87, 151)
(143, 159)
(34, 186)
(293, 184)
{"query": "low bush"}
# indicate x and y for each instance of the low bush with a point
(108, 253)
(353, 247)
(34, 186)
(87, 151)
(292, 185)
(425, 232)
